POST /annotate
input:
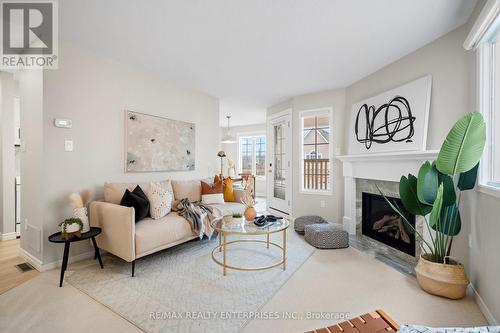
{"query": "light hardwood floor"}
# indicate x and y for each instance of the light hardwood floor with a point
(10, 276)
(330, 281)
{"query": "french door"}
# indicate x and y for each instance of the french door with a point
(279, 163)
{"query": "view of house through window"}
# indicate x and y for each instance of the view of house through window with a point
(252, 155)
(316, 150)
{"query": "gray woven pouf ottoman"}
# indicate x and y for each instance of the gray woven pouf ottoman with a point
(326, 236)
(301, 222)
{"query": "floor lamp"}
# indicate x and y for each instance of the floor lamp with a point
(221, 154)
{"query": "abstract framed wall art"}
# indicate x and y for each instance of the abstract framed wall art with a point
(154, 143)
(395, 120)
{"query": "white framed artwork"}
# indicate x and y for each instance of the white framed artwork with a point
(393, 121)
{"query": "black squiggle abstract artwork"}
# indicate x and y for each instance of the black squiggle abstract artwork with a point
(391, 122)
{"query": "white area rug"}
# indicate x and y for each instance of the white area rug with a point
(184, 281)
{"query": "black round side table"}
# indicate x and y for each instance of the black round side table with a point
(56, 238)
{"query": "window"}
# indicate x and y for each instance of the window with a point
(489, 104)
(252, 155)
(316, 153)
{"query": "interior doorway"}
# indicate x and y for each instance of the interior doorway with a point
(14, 269)
(279, 163)
(10, 159)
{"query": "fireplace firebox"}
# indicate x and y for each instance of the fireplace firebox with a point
(382, 223)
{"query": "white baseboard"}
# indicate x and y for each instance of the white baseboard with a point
(39, 266)
(71, 259)
(35, 262)
(8, 236)
(482, 306)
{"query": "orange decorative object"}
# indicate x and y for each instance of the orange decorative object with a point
(250, 214)
(228, 190)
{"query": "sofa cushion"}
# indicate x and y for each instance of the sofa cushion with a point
(152, 235)
(160, 201)
(137, 199)
(190, 189)
(113, 192)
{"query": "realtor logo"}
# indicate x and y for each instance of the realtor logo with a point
(29, 34)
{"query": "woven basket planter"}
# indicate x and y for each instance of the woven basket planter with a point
(446, 280)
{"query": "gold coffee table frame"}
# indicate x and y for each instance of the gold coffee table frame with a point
(247, 228)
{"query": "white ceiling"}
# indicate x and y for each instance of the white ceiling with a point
(254, 53)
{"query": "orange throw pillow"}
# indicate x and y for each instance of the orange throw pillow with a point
(212, 193)
(214, 188)
(228, 190)
(216, 179)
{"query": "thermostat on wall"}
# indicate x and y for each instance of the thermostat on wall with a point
(63, 123)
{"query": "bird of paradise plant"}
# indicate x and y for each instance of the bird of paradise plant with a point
(436, 192)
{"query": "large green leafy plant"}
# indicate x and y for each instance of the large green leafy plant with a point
(435, 193)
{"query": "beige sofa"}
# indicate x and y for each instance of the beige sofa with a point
(128, 240)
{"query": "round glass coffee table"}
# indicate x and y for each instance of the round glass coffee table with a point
(226, 226)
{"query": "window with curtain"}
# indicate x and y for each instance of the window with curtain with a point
(252, 155)
(316, 137)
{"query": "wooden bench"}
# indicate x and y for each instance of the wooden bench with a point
(374, 322)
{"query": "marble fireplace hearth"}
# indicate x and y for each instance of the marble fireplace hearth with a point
(364, 173)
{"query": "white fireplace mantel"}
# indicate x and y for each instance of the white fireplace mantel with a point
(380, 166)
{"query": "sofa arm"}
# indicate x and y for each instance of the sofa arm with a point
(118, 228)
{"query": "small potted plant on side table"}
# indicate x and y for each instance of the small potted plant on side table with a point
(71, 227)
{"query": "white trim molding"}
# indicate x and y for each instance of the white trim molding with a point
(34, 261)
(492, 191)
(486, 19)
(381, 166)
(41, 267)
(8, 236)
(482, 306)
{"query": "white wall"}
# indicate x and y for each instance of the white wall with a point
(447, 62)
(304, 204)
(232, 152)
(484, 265)
(453, 94)
(8, 90)
(93, 92)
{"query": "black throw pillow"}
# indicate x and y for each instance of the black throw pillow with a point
(137, 199)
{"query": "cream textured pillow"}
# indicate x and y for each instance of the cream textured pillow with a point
(160, 201)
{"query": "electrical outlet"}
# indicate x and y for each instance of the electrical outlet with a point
(322, 204)
(470, 241)
(68, 145)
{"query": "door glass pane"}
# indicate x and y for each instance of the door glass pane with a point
(260, 155)
(246, 147)
(279, 160)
